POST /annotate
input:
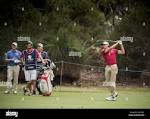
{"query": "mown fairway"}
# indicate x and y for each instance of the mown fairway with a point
(76, 98)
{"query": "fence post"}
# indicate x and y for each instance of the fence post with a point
(61, 73)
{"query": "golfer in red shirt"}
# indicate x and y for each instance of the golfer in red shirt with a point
(109, 54)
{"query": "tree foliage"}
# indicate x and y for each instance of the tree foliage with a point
(75, 25)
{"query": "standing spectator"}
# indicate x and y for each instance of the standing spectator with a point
(44, 56)
(13, 59)
(29, 58)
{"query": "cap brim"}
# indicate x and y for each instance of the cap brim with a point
(14, 45)
(104, 44)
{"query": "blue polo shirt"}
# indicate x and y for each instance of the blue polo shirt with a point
(13, 54)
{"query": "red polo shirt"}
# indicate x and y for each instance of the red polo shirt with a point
(110, 56)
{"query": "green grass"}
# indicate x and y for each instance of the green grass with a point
(78, 98)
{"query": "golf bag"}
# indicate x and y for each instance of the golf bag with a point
(45, 77)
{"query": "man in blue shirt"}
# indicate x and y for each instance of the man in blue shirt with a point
(13, 59)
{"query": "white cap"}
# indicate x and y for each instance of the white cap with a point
(40, 45)
(105, 43)
(14, 43)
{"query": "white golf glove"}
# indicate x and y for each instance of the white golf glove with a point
(16, 61)
(120, 42)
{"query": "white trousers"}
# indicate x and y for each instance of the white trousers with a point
(12, 75)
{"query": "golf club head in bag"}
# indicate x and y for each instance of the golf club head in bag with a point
(51, 64)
